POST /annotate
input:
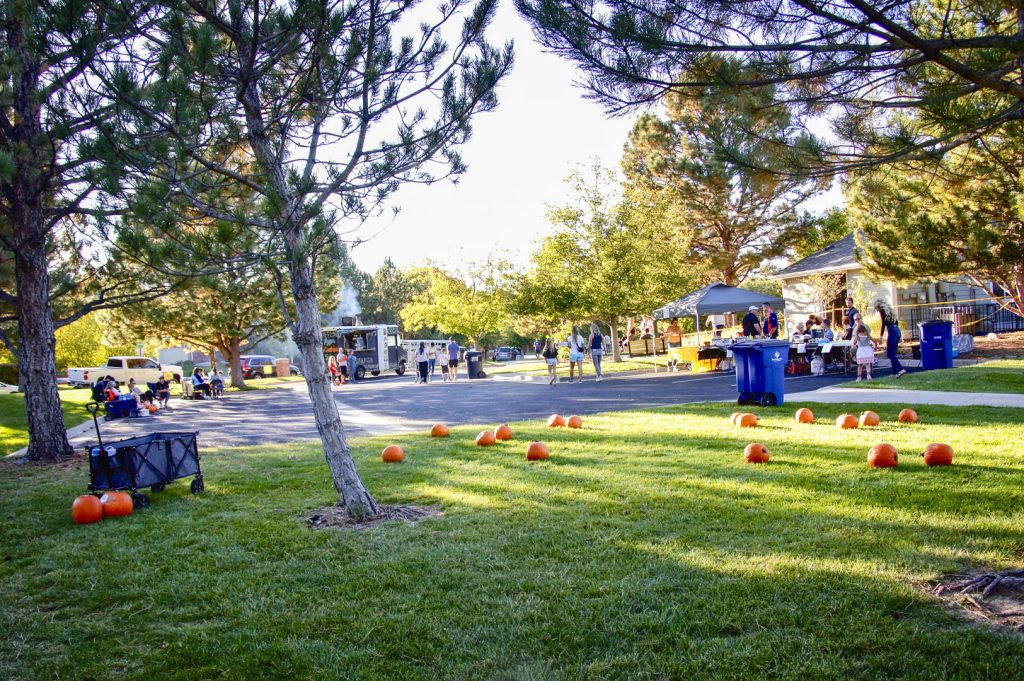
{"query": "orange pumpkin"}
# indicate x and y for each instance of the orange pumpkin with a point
(86, 509)
(869, 418)
(439, 430)
(756, 453)
(847, 421)
(537, 451)
(938, 454)
(503, 432)
(882, 455)
(556, 421)
(117, 504)
(574, 422)
(907, 416)
(804, 415)
(485, 438)
(746, 421)
(392, 454)
(735, 415)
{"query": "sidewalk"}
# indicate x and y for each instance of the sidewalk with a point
(885, 396)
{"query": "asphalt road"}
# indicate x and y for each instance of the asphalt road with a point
(391, 404)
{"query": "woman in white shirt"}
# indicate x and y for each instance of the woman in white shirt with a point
(577, 352)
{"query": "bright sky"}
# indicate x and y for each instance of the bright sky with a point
(518, 157)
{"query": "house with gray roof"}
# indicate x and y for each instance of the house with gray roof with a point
(805, 281)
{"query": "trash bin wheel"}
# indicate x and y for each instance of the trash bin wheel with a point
(159, 487)
(767, 400)
(481, 374)
(140, 500)
(375, 372)
(197, 486)
(741, 400)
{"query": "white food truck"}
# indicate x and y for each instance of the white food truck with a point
(377, 347)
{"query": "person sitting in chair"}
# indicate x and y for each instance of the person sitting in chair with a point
(162, 391)
(111, 393)
(217, 384)
(200, 385)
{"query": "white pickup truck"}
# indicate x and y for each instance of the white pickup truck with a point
(142, 369)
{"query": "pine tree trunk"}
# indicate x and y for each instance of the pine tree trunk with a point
(309, 338)
(37, 361)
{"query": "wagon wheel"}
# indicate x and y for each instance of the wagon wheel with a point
(140, 500)
(197, 486)
(157, 488)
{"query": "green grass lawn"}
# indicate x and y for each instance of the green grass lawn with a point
(643, 549)
(997, 376)
(14, 422)
(539, 368)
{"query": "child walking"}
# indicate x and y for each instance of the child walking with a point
(865, 351)
(550, 355)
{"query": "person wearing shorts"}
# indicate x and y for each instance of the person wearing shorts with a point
(550, 355)
(453, 360)
(674, 341)
(577, 352)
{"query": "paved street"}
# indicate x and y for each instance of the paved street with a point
(389, 404)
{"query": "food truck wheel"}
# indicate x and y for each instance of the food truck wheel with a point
(375, 372)
(360, 373)
(401, 368)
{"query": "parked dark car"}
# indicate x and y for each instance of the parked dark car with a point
(505, 354)
(295, 371)
(254, 366)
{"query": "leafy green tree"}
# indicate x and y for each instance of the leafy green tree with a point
(606, 259)
(861, 66)
(81, 343)
(731, 212)
(58, 174)
(389, 290)
(473, 303)
(959, 215)
(815, 232)
(322, 109)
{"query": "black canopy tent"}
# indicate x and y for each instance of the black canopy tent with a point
(715, 299)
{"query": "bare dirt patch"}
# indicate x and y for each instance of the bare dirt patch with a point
(336, 516)
(993, 597)
(1007, 346)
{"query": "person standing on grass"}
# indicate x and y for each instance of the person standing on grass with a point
(596, 344)
(892, 344)
(577, 352)
(673, 341)
(453, 360)
(550, 355)
(865, 350)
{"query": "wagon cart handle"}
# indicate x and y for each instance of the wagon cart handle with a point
(92, 408)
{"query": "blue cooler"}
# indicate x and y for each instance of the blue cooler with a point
(937, 344)
(761, 371)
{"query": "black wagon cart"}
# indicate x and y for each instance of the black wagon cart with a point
(145, 461)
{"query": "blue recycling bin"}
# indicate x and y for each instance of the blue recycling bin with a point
(937, 344)
(761, 371)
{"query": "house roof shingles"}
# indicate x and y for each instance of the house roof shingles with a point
(839, 255)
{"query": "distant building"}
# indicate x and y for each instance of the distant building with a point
(966, 305)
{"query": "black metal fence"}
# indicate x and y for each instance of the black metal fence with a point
(971, 318)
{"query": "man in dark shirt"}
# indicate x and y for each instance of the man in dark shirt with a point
(851, 312)
(770, 327)
(751, 324)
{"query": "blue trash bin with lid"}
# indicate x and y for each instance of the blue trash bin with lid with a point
(937, 344)
(761, 371)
